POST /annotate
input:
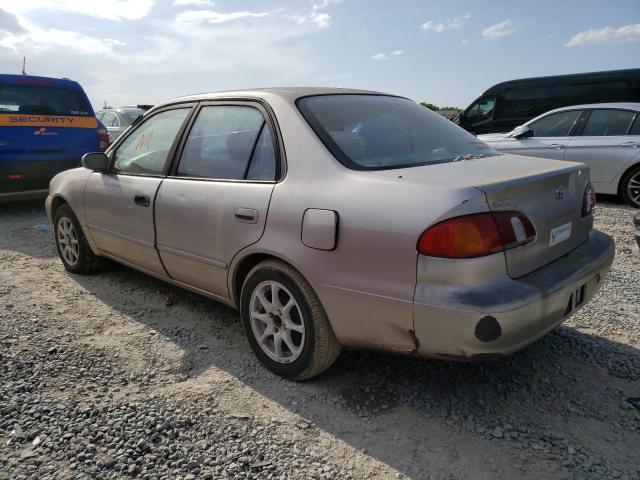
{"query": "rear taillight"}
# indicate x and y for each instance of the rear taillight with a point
(103, 138)
(588, 200)
(476, 235)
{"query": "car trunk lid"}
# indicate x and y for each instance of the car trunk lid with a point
(549, 192)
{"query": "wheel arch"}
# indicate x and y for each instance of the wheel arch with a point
(241, 268)
(635, 164)
(56, 202)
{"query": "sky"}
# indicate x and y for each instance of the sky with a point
(442, 52)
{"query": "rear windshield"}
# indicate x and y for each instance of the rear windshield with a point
(376, 132)
(43, 100)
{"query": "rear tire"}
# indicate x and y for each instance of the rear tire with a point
(72, 245)
(630, 187)
(285, 322)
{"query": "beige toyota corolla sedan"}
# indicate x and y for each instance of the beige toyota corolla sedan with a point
(334, 218)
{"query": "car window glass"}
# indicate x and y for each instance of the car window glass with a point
(109, 119)
(381, 132)
(147, 148)
(555, 125)
(480, 111)
(608, 122)
(220, 142)
(263, 162)
(635, 128)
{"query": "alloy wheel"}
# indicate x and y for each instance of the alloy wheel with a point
(68, 241)
(633, 189)
(276, 321)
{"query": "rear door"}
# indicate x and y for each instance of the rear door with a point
(119, 203)
(550, 136)
(604, 144)
(46, 126)
(215, 201)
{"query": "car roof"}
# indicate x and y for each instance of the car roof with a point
(290, 94)
(6, 78)
(623, 105)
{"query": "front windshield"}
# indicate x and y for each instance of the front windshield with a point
(376, 132)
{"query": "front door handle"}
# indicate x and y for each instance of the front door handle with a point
(631, 144)
(555, 146)
(246, 215)
(142, 200)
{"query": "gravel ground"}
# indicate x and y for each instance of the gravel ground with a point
(118, 375)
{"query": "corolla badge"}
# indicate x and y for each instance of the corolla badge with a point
(560, 192)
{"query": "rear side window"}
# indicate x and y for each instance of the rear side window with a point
(635, 128)
(229, 142)
(608, 122)
(145, 151)
(555, 125)
(43, 100)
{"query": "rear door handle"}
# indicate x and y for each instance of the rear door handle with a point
(631, 144)
(142, 200)
(246, 215)
(555, 146)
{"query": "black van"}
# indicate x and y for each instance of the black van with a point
(509, 104)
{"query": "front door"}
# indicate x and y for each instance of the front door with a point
(549, 136)
(215, 201)
(119, 203)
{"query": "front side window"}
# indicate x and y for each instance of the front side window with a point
(555, 125)
(145, 151)
(480, 111)
(376, 132)
(608, 122)
(230, 142)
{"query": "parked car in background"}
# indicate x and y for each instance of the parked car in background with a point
(117, 120)
(46, 125)
(509, 104)
(334, 217)
(604, 136)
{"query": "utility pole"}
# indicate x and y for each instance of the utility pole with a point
(24, 65)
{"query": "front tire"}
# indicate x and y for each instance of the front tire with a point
(72, 245)
(630, 187)
(285, 322)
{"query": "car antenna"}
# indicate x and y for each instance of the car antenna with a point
(24, 65)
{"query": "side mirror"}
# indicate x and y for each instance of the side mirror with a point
(521, 132)
(96, 161)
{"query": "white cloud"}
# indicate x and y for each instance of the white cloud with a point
(499, 30)
(439, 27)
(606, 36)
(209, 16)
(317, 16)
(107, 9)
(193, 3)
(386, 56)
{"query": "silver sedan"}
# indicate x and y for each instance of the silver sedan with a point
(334, 218)
(604, 136)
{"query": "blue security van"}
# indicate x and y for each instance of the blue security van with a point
(46, 125)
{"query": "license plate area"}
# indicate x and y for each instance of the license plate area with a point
(560, 234)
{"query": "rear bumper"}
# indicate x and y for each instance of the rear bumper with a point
(500, 317)
(20, 178)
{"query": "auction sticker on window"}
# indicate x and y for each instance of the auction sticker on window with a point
(560, 234)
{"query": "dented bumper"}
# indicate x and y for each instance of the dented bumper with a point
(471, 318)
